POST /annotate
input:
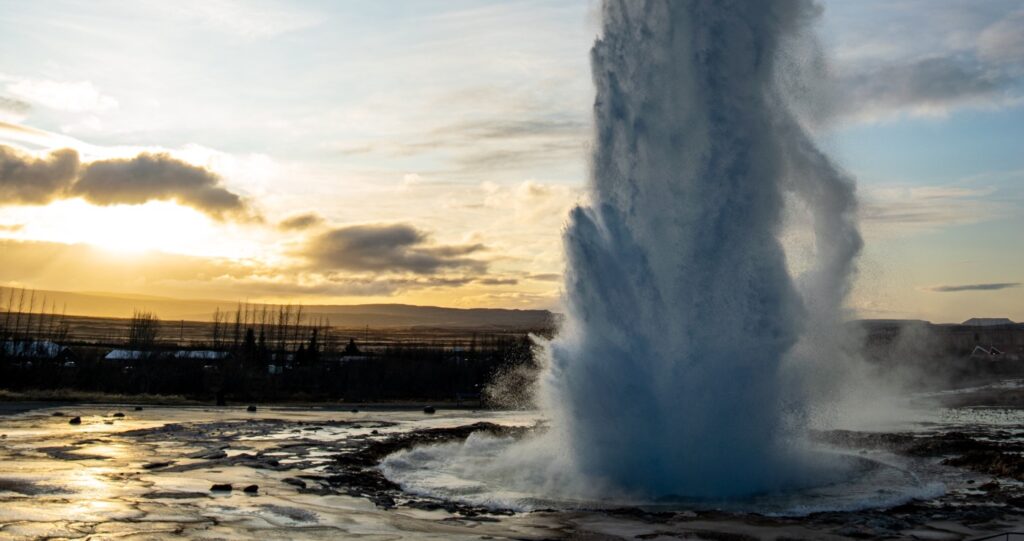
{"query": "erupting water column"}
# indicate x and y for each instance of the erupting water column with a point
(667, 378)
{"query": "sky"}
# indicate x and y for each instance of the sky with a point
(428, 152)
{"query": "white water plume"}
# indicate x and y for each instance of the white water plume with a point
(685, 366)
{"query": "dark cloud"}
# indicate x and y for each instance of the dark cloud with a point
(544, 277)
(301, 221)
(497, 281)
(149, 176)
(975, 287)
(388, 248)
(29, 180)
(26, 179)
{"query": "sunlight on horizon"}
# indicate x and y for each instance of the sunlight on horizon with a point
(156, 226)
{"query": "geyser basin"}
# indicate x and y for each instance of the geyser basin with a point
(484, 471)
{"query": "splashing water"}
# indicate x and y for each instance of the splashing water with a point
(673, 374)
(681, 311)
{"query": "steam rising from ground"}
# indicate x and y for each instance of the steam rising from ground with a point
(692, 355)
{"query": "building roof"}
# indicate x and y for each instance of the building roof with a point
(126, 355)
(203, 355)
(32, 348)
(987, 321)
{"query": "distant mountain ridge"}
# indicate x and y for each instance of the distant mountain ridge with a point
(357, 315)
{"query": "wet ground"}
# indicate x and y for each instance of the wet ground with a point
(286, 473)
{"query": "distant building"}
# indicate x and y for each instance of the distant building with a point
(127, 355)
(37, 349)
(202, 355)
(987, 321)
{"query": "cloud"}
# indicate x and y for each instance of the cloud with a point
(1003, 41)
(81, 267)
(148, 177)
(929, 58)
(388, 248)
(301, 221)
(29, 180)
(253, 20)
(497, 281)
(487, 145)
(925, 87)
(896, 209)
(145, 177)
(974, 287)
(72, 97)
(13, 110)
(499, 128)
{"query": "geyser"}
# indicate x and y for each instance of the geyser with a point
(680, 370)
(667, 377)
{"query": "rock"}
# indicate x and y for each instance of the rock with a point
(990, 486)
(58, 414)
(75, 421)
(3, 436)
(157, 465)
(375, 431)
(170, 495)
(429, 409)
(221, 487)
(118, 414)
(355, 411)
(251, 409)
(295, 481)
(138, 408)
(209, 454)
(251, 489)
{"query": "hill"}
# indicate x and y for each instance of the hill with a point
(113, 305)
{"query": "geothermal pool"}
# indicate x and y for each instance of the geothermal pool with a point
(325, 473)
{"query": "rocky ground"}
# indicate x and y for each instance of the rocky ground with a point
(233, 474)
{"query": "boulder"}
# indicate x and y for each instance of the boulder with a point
(295, 481)
(119, 414)
(429, 409)
(138, 408)
(251, 409)
(75, 421)
(251, 489)
(221, 487)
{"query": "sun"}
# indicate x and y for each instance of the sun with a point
(156, 226)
